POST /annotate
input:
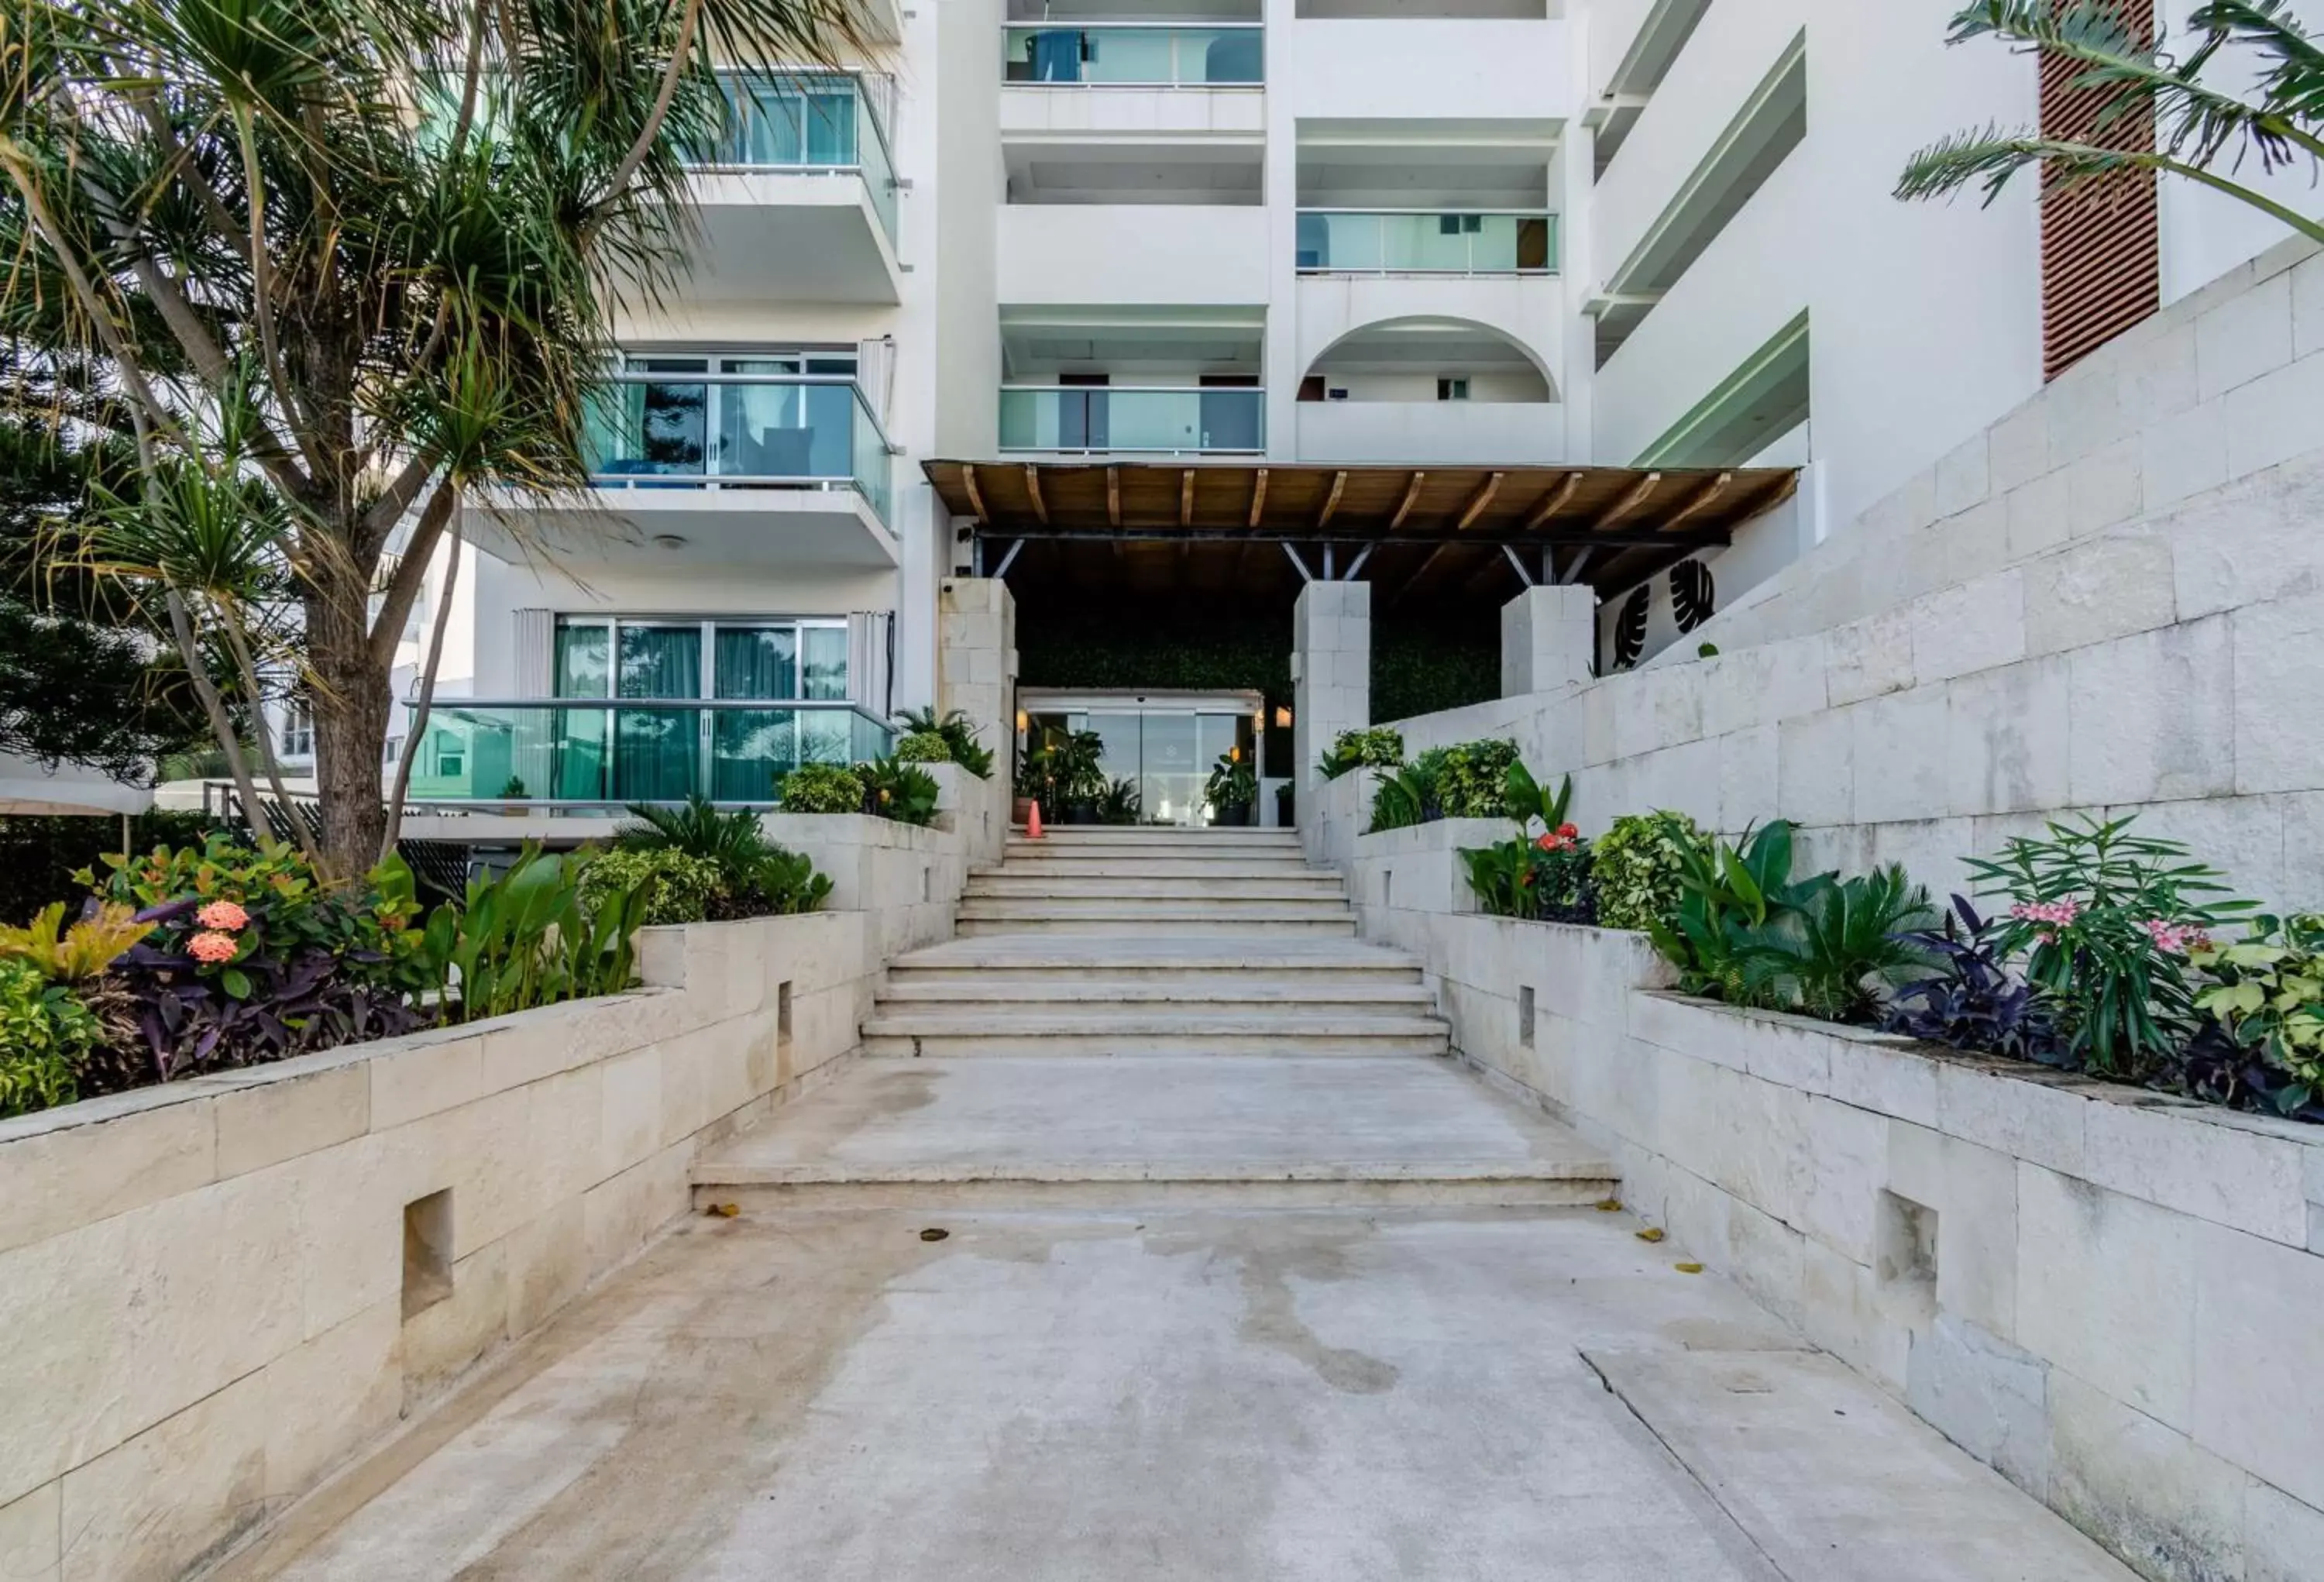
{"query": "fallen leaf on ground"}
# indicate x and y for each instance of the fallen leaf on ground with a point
(1651, 1233)
(1688, 1268)
(724, 1210)
(934, 1234)
(1610, 1206)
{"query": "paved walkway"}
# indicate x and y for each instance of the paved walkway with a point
(1504, 1395)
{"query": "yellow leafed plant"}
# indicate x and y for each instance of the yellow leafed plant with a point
(84, 950)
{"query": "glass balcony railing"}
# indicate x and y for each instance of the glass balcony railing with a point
(583, 754)
(1048, 416)
(1137, 55)
(739, 431)
(1341, 241)
(808, 121)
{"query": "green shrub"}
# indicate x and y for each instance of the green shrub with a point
(899, 790)
(45, 1033)
(922, 747)
(959, 735)
(2268, 996)
(1639, 866)
(783, 883)
(1473, 783)
(822, 788)
(524, 940)
(680, 887)
(1380, 747)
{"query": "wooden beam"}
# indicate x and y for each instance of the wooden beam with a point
(1631, 501)
(1033, 487)
(1479, 501)
(1553, 503)
(1114, 495)
(975, 498)
(1186, 497)
(1703, 498)
(1331, 501)
(1257, 497)
(1411, 493)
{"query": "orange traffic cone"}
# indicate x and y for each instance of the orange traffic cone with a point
(1033, 823)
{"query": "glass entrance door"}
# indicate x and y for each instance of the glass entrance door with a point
(1166, 752)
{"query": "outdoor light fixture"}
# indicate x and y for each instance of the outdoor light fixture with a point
(1283, 716)
(1021, 722)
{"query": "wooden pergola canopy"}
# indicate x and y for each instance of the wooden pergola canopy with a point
(1608, 526)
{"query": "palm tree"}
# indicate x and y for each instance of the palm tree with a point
(340, 262)
(2195, 124)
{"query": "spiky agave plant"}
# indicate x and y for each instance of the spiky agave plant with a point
(2196, 125)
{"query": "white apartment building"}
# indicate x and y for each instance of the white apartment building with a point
(1295, 240)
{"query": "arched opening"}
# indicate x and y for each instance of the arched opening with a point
(1428, 360)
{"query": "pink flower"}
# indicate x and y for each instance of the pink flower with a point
(2174, 938)
(212, 948)
(222, 914)
(2056, 912)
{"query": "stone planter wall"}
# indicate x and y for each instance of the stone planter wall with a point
(2110, 1296)
(906, 877)
(204, 1287)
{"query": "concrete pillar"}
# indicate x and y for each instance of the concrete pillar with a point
(977, 674)
(1331, 670)
(1548, 636)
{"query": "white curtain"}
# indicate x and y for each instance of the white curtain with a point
(867, 660)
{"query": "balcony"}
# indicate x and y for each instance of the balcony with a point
(799, 193)
(1444, 433)
(1135, 55)
(1069, 255)
(1349, 241)
(1475, 68)
(731, 468)
(581, 755)
(1081, 420)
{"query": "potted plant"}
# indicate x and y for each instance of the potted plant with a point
(513, 796)
(1232, 790)
(1077, 771)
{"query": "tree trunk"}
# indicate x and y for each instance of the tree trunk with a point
(352, 709)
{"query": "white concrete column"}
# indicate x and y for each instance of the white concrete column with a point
(977, 674)
(1331, 670)
(1547, 637)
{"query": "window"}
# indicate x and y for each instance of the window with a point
(1452, 389)
(451, 758)
(783, 415)
(298, 729)
(780, 659)
(1459, 225)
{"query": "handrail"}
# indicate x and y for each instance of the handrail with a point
(1097, 24)
(1512, 213)
(828, 705)
(1146, 389)
(761, 380)
(860, 80)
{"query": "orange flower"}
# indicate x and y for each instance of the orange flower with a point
(211, 948)
(223, 914)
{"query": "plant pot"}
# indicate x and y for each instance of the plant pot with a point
(1020, 811)
(1237, 818)
(1082, 813)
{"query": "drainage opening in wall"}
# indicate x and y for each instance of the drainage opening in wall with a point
(1907, 1251)
(1525, 1018)
(783, 1012)
(427, 1252)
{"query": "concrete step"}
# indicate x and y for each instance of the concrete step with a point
(1253, 909)
(1302, 991)
(1300, 886)
(1145, 868)
(1298, 1131)
(1155, 926)
(1065, 845)
(957, 1031)
(1311, 957)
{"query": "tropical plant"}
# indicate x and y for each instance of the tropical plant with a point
(1233, 785)
(522, 939)
(959, 734)
(1639, 865)
(1076, 766)
(2105, 920)
(822, 788)
(96, 940)
(679, 888)
(1121, 804)
(1409, 796)
(2195, 121)
(512, 789)
(1836, 952)
(1546, 878)
(922, 747)
(1527, 799)
(357, 258)
(1473, 781)
(1972, 1001)
(783, 883)
(1733, 904)
(1380, 747)
(45, 1034)
(2267, 995)
(731, 840)
(901, 792)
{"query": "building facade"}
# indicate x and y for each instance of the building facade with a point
(1275, 234)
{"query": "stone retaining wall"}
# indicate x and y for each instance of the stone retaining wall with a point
(2110, 1296)
(214, 1291)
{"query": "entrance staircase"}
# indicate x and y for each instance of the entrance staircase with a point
(1134, 1016)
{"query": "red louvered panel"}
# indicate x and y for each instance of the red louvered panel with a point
(2101, 242)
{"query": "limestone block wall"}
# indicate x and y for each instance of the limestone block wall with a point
(906, 879)
(215, 1291)
(2111, 601)
(977, 674)
(1330, 669)
(2107, 1295)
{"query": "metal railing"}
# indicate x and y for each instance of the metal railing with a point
(1413, 241)
(567, 754)
(1135, 54)
(739, 431)
(1229, 420)
(812, 122)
